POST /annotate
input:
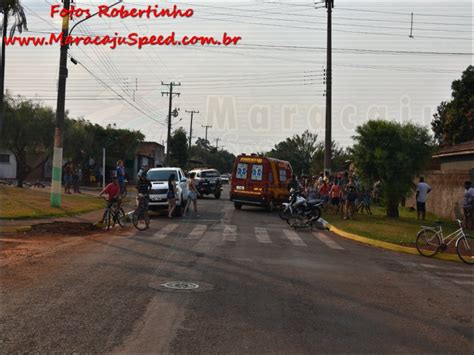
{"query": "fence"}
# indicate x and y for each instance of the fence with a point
(448, 189)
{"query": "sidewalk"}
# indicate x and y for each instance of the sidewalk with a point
(23, 225)
(12, 226)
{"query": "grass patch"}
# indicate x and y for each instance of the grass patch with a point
(377, 226)
(18, 203)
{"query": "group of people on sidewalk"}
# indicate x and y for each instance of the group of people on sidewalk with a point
(342, 191)
(72, 177)
(115, 189)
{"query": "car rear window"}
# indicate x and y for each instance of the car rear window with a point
(210, 174)
(160, 175)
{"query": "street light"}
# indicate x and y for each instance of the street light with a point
(60, 106)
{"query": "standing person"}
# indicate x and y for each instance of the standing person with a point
(143, 170)
(68, 170)
(324, 191)
(293, 184)
(468, 205)
(350, 197)
(192, 194)
(335, 194)
(143, 188)
(113, 194)
(75, 178)
(120, 173)
(311, 192)
(171, 195)
(422, 191)
(112, 190)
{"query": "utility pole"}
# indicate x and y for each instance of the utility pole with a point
(60, 105)
(328, 139)
(170, 93)
(217, 143)
(192, 112)
(206, 127)
(55, 198)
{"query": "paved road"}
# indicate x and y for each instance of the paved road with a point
(263, 288)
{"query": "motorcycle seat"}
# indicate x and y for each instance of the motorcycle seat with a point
(314, 202)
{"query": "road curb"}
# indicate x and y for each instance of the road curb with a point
(388, 246)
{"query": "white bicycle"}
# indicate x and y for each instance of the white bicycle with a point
(430, 241)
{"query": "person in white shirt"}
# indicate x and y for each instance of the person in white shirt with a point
(468, 204)
(422, 191)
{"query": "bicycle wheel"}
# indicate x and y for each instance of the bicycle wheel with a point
(465, 248)
(108, 220)
(427, 242)
(140, 220)
(121, 218)
(296, 221)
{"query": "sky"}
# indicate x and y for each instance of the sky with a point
(268, 87)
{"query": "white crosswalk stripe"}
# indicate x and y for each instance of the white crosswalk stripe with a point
(294, 238)
(455, 274)
(197, 232)
(262, 235)
(230, 233)
(328, 241)
(464, 282)
(165, 231)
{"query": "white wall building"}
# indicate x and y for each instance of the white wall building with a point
(7, 165)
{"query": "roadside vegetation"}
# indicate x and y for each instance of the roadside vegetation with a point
(378, 226)
(19, 203)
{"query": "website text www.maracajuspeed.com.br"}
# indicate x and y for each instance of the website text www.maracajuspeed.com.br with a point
(132, 40)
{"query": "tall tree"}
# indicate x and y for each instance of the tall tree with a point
(179, 148)
(28, 129)
(393, 153)
(340, 158)
(453, 122)
(298, 150)
(9, 8)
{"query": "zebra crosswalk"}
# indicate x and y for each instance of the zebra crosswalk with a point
(230, 233)
(458, 274)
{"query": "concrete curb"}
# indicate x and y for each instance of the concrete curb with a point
(389, 246)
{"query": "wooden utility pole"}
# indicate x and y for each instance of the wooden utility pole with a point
(206, 127)
(170, 93)
(328, 128)
(55, 198)
(192, 112)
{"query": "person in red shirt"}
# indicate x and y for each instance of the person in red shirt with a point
(335, 194)
(112, 190)
(324, 191)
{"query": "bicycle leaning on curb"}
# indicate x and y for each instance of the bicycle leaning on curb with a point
(431, 240)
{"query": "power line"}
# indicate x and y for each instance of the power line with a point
(402, 13)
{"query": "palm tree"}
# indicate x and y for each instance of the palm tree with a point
(9, 8)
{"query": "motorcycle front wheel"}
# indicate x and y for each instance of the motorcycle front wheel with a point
(284, 212)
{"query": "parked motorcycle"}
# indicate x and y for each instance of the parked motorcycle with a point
(286, 208)
(299, 209)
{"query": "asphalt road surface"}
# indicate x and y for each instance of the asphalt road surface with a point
(262, 288)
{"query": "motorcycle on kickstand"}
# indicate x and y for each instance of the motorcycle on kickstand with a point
(299, 212)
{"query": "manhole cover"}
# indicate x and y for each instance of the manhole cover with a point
(181, 285)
